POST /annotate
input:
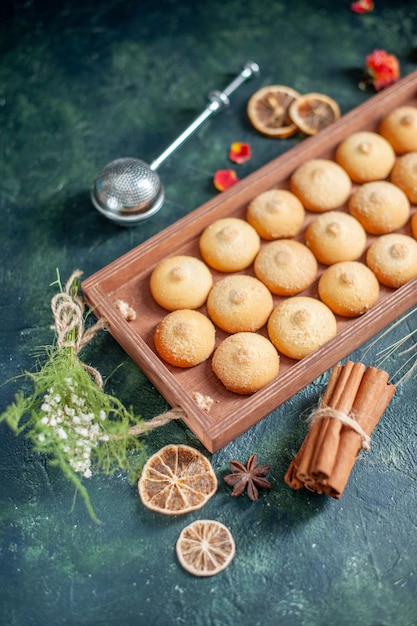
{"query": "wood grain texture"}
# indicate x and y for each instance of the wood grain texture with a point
(127, 278)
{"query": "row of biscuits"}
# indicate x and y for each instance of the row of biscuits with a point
(241, 304)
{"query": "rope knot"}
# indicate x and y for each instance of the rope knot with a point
(347, 420)
(68, 309)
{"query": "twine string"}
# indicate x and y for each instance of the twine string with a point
(69, 323)
(347, 420)
(67, 309)
(156, 422)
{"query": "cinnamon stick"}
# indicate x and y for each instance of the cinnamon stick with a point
(354, 400)
(373, 397)
(298, 472)
(341, 400)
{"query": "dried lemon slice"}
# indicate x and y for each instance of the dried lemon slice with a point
(313, 111)
(177, 479)
(205, 547)
(267, 110)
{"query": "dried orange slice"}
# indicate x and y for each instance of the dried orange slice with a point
(177, 479)
(267, 110)
(313, 111)
(205, 547)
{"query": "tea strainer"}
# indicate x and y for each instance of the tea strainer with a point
(128, 190)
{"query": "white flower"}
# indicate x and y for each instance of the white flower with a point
(94, 431)
(61, 433)
(68, 417)
(68, 410)
(82, 431)
(87, 417)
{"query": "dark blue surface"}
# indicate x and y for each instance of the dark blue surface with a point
(82, 83)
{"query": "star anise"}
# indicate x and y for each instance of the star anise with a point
(250, 477)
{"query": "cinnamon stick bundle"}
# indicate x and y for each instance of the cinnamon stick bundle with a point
(353, 402)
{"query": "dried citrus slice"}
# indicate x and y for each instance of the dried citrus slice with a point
(313, 111)
(205, 547)
(176, 479)
(268, 108)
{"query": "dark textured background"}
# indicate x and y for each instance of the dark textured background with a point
(82, 83)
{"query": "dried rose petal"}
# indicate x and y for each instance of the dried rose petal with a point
(223, 179)
(382, 69)
(362, 6)
(240, 152)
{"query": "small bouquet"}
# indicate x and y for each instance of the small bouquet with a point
(69, 417)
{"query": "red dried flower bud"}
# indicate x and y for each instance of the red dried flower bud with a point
(362, 6)
(382, 69)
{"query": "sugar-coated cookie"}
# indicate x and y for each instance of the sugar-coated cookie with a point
(300, 325)
(393, 259)
(239, 303)
(229, 244)
(335, 236)
(286, 267)
(404, 175)
(380, 206)
(365, 156)
(321, 185)
(180, 282)
(349, 288)
(245, 362)
(399, 127)
(276, 214)
(185, 338)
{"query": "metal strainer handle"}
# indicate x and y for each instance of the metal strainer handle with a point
(217, 100)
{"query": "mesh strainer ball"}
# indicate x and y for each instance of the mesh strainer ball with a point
(127, 190)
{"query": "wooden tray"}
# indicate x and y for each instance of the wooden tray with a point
(127, 278)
